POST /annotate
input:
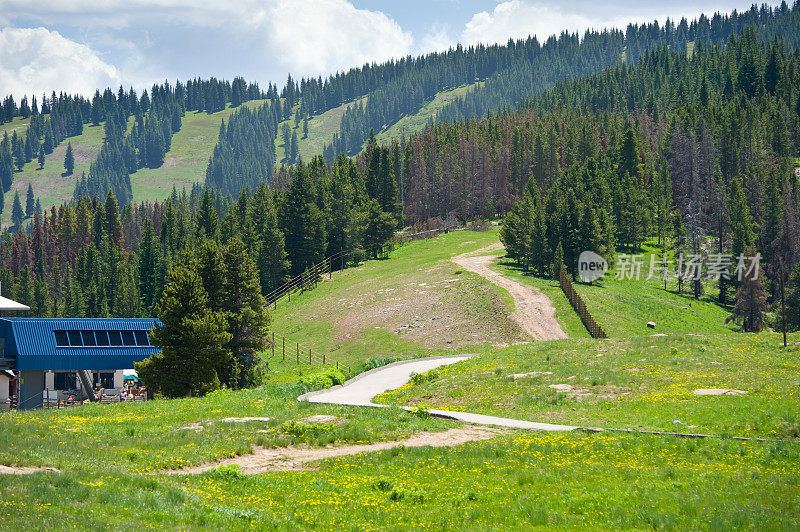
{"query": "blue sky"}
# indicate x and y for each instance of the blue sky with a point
(80, 45)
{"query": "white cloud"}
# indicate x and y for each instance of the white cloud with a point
(436, 40)
(317, 36)
(36, 60)
(307, 37)
(516, 19)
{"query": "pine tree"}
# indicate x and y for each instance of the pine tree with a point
(191, 338)
(751, 300)
(17, 215)
(148, 267)
(207, 219)
(302, 222)
(69, 160)
(41, 157)
(30, 201)
(378, 228)
(246, 315)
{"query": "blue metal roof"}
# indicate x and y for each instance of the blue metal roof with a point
(32, 342)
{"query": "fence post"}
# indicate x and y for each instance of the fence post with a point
(298, 353)
(284, 348)
(273, 344)
(309, 356)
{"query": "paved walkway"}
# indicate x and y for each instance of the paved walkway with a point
(361, 389)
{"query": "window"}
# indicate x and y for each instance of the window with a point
(65, 381)
(114, 338)
(88, 338)
(75, 338)
(127, 338)
(141, 338)
(102, 337)
(61, 338)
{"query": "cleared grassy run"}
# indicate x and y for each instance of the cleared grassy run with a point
(187, 160)
(518, 481)
(416, 303)
(184, 165)
(415, 123)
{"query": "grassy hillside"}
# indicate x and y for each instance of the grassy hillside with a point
(113, 458)
(415, 303)
(321, 128)
(414, 123)
(184, 165)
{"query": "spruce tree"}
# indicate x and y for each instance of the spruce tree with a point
(41, 157)
(17, 215)
(751, 299)
(148, 267)
(30, 201)
(69, 160)
(378, 228)
(192, 339)
(246, 315)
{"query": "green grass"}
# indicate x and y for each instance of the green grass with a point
(112, 457)
(184, 165)
(518, 481)
(415, 123)
(321, 129)
(624, 306)
(144, 437)
(636, 383)
(186, 162)
(410, 305)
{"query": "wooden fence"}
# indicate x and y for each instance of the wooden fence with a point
(284, 350)
(580, 307)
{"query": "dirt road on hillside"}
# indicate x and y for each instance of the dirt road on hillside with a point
(533, 310)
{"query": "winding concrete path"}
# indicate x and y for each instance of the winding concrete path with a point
(361, 389)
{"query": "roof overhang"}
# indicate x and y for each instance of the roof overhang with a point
(8, 304)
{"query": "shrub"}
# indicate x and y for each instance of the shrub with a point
(421, 412)
(306, 430)
(325, 378)
(417, 378)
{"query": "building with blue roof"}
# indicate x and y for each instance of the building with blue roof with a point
(53, 353)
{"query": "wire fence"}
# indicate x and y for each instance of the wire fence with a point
(287, 350)
(580, 307)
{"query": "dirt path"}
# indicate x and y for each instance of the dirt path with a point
(297, 458)
(24, 470)
(533, 310)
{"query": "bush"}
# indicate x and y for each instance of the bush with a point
(417, 378)
(421, 412)
(325, 378)
(306, 430)
(372, 363)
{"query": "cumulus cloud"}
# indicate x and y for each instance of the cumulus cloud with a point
(307, 37)
(36, 60)
(313, 36)
(516, 19)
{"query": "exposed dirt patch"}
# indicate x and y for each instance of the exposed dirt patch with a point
(298, 458)
(718, 391)
(533, 310)
(24, 470)
(430, 306)
(171, 162)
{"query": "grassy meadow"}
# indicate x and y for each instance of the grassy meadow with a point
(113, 459)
